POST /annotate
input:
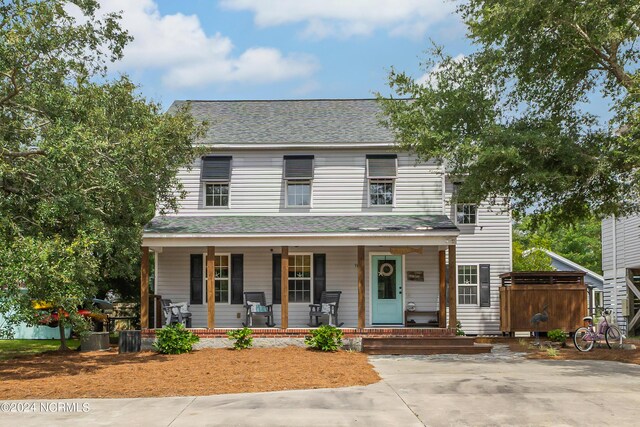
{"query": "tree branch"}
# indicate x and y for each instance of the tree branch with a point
(610, 62)
(18, 154)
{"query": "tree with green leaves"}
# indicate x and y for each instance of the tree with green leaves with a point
(579, 242)
(84, 160)
(512, 118)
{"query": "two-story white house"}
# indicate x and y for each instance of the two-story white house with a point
(302, 196)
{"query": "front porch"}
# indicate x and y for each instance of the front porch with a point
(388, 279)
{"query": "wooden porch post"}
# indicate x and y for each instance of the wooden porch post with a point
(284, 287)
(144, 289)
(453, 269)
(361, 305)
(211, 286)
(442, 270)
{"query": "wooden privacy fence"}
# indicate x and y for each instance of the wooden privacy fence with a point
(524, 294)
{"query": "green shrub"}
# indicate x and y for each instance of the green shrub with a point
(459, 330)
(175, 339)
(325, 338)
(242, 337)
(557, 335)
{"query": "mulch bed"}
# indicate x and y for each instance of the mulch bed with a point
(571, 353)
(68, 375)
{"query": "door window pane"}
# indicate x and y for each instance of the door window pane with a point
(386, 279)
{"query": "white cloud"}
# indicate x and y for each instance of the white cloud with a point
(429, 78)
(347, 18)
(187, 56)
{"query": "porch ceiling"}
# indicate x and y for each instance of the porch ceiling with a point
(358, 229)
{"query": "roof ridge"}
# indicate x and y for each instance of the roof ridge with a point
(285, 100)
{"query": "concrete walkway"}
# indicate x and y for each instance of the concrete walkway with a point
(416, 390)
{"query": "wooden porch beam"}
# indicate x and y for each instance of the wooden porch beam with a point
(284, 288)
(442, 270)
(144, 288)
(453, 315)
(211, 286)
(361, 301)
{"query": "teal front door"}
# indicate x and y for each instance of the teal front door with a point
(386, 286)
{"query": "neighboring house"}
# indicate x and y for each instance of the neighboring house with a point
(621, 267)
(321, 182)
(594, 281)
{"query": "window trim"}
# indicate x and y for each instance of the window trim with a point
(286, 193)
(204, 278)
(477, 285)
(455, 214)
(204, 194)
(311, 284)
(393, 190)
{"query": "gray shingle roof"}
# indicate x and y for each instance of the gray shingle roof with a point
(290, 122)
(297, 224)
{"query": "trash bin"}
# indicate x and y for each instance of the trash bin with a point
(129, 341)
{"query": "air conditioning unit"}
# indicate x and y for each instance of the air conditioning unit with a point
(625, 307)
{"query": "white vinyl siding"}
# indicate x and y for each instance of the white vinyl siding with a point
(340, 185)
(174, 270)
(488, 241)
(627, 256)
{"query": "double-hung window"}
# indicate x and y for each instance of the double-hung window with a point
(468, 285)
(215, 175)
(466, 213)
(222, 271)
(298, 176)
(382, 170)
(300, 278)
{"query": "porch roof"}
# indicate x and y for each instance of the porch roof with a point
(300, 225)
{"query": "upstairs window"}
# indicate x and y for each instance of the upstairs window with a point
(298, 174)
(382, 170)
(466, 213)
(215, 175)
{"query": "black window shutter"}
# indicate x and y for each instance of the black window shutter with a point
(485, 285)
(237, 278)
(277, 274)
(382, 165)
(216, 168)
(319, 276)
(195, 294)
(298, 167)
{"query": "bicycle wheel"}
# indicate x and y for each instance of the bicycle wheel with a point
(583, 339)
(613, 336)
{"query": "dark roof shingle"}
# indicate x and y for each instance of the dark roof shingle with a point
(290, 121)
(298, 224)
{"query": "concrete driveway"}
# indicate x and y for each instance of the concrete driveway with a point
(415, 391)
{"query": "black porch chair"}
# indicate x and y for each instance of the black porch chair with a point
(329, 304)
(255, 304)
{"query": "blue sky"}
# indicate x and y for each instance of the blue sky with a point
(279, 49)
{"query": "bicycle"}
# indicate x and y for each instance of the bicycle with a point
(585, 337)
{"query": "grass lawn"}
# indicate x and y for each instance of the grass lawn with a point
(204, 372)
(14, 348)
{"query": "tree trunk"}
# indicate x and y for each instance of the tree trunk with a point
(63, 338)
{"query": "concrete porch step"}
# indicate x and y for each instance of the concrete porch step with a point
(439, 349)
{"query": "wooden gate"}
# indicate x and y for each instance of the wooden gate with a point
(524, 294)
